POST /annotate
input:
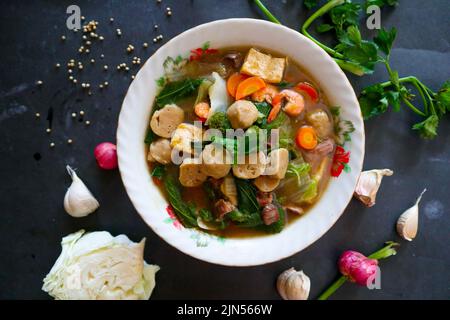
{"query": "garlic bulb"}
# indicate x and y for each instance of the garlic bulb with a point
(293, 285)
(79, 201)
(368, 184)
(408, 222)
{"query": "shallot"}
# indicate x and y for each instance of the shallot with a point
(106, 155)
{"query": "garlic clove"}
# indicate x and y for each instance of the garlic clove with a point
(368, 184)
(79, 201)
(293, 285)
(408, 222)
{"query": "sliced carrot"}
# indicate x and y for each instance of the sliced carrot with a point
(306, 138)
(309, 89)
(233, 81)
(202, 110)
(249, 86)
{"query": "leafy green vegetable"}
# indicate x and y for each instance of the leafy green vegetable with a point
(309, 4)
(299, 169)
(174, 91)
(186, 212)
(443, 97)
(344, 16)
(161, 82)
(428, 127)
(158, 171)
(247, 196)
(311, 191)
(380, 3)
(219, 120)
(285, 85)
(251, 220)
(149, 137)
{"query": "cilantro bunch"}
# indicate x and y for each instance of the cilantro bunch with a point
(359, 56)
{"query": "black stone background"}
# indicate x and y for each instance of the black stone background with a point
(33, 220)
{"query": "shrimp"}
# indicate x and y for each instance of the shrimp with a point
(265, 94)
(294, 106)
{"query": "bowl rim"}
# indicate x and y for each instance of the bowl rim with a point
(119, 136)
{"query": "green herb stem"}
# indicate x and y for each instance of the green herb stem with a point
(383, 253)
(320, 12)
(336, 285)
(266, 11)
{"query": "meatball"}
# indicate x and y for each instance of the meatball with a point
(278, 161)
(216, 161)
(253, 166)
(161, 151)
(321, 122)
(191, 174)
(242, 114)
(183, 137)
(266, 183)
(166, 120)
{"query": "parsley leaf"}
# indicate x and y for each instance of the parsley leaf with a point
(385, 39)
(428, 128)
(360, 52)
(381, 3)
(443, 96)
(309, 4)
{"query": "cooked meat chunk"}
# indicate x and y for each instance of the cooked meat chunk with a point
(191, 173)
(264, 198)
(166, 120)
(161, 151)
(315, 156)
(277, 163)
(263, 65)
(321, 122)
(270, 214)
(183, 137)
(295, 209)
(229, 190)
(253, 166)
(242, 114)
(216, 161)
(222, 207)
(266, 183)
(236, 58)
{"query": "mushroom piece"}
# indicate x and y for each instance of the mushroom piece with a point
(242, 114)
(266, 183)
(161, 151)
(235, 57)
(253, 166)
(166, 120)
(321, 122)
(229, 190)
(278, 161)
(191, 173)
(216, 161)
(183, 137)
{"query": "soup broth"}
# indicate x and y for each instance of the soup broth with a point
(306, 133)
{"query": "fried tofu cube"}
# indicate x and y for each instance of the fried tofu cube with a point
(264, 66)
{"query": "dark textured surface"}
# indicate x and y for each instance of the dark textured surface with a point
(33, 220)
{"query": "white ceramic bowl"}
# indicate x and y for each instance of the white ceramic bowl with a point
(149, 202)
